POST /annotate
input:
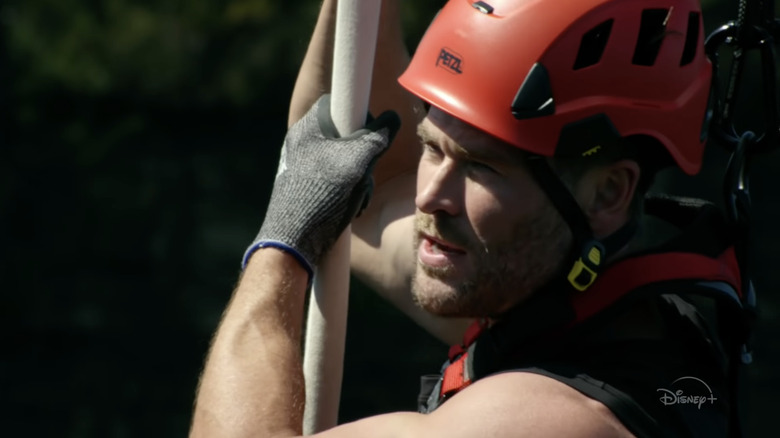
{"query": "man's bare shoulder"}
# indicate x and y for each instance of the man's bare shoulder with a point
(528, 404)
(513, 404)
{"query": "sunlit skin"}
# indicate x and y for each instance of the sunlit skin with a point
(486, 236)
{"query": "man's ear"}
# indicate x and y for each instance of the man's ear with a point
(612, 191)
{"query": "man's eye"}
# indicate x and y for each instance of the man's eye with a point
(431, 148)
(481, 167)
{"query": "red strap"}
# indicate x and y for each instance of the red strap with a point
(455, 377)
(471, 335)
(618, 280)
(632, 273)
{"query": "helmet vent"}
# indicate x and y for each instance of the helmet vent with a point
(691, 39)
(651, 34)
(483, 7)
(534, 97)
(592, 45)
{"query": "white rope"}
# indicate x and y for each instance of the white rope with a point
(357, 22)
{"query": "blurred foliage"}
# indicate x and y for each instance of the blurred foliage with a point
(137, 149)
(188, 52)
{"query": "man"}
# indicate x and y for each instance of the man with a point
(546, 124)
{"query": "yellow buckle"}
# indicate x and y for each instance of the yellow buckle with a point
(584, 272)
(577, 276)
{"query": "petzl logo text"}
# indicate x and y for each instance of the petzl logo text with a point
(449, 60)
(688, 391)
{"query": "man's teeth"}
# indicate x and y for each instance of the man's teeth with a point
(436, 249)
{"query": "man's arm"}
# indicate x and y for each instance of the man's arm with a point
(253, 384)
(254, 366)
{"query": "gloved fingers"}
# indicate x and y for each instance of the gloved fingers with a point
(362, 195)
(387, 125)
(390, 122)
(388, 119)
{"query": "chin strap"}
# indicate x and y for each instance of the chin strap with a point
(589, 254)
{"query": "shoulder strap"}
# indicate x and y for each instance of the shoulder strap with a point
(704, 252)
(634, 273)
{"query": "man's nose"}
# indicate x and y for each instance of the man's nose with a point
(439, 188)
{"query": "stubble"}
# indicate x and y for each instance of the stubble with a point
(504, 272)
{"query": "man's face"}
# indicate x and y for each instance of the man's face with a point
(486, 235)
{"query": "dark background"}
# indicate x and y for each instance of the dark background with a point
(138, 144)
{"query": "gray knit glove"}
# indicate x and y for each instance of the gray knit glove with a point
(321, 184)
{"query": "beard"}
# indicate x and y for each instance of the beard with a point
(504, 272)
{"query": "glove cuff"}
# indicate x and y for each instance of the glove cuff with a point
(278, 245)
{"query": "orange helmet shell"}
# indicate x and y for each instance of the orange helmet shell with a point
(475, 57)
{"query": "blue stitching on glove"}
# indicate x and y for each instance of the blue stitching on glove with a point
(278, 245)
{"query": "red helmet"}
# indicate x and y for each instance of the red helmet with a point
(528, 71)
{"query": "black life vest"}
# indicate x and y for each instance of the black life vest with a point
(551, 334)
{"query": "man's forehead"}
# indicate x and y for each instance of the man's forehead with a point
(451, 125)
(439, 125)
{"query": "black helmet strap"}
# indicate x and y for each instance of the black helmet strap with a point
(588, 254)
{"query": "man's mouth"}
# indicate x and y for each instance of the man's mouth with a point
(440, 246)
(437, 253)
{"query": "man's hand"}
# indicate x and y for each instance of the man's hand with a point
(323, 181)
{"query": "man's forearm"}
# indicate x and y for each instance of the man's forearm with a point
(314, 77)
(392, 58)
(253, 381)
